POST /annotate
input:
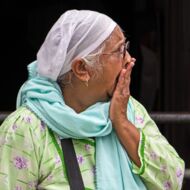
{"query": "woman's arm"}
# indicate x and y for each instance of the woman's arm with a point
(153, 157)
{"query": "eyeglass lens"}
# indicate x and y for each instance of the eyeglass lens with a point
(126, 48)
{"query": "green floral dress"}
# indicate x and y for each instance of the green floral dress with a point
(31, 156)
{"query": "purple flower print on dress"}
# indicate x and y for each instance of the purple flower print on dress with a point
(57, 160)
(139, 119)
(153, 155)
(80, 159)
(32, 184)
(20, 162)
(50, 177)
(163, 168)
(87, 147)
(167, 185)
(14, 127)
(27, 119)
(179, 174)
(18, 188)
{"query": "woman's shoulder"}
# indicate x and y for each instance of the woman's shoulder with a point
(137, 105)
(22, 120)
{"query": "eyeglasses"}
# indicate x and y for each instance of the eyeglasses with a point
(122, 50)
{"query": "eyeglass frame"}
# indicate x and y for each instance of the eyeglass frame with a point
(126, 48)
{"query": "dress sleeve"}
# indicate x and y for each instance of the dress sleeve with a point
(161, 167)
(20, 151)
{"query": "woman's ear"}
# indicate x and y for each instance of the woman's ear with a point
(80, 70)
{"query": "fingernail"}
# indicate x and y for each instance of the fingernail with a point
(133, 59)
(132, 64)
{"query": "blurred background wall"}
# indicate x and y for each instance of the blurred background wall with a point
(159, 32)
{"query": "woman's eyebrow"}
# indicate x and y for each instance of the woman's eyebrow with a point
(119, 44)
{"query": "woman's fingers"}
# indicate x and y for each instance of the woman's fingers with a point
(121, 95)
(124, 80)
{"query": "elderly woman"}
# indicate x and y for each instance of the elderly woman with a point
(78, 88)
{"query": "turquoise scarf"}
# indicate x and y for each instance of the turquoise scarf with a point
(113, 166)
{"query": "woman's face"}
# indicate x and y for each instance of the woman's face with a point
(112, 61)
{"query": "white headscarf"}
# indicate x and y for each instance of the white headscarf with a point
(75, 34)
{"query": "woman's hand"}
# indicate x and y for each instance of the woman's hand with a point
(122, 93)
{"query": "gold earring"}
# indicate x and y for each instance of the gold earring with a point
(86, 83)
